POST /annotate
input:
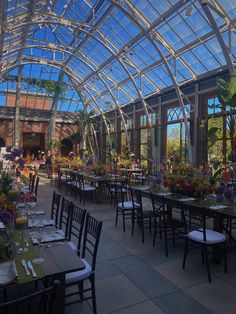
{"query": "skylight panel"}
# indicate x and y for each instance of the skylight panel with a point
(230, 7)
(170, 36)
(130, 89)
(196, 64)
(95, 51)
(206, 57)
(153, 76)
(196, 21)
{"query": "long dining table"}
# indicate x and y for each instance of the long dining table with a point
(59, 259)
(217, 211)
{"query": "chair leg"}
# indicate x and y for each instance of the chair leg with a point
(154, 232)
(123, 216)
(150, 225)
(207, 264)
(81, 290)
(185, 252)
(142, 229)
(225, 258)
(94, 295)
(203, 259)
(133, 224)
(116, 217)
(166, 243)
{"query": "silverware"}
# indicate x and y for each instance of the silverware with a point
(23, 263)
(30, 266)
(54, 244)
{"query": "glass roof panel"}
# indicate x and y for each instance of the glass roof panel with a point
(114, 50)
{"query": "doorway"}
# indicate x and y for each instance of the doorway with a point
(33, 144)
(67, 147)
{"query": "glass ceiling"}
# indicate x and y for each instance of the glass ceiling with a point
(109, 53)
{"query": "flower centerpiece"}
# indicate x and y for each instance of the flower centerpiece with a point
(185, 179)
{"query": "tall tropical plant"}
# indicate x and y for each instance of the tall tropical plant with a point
(84, 120)
(227, 98)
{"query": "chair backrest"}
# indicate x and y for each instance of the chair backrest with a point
(91, 239)
(80, 179)
(191, 221)
(40, 302)
(157, 203)
(55, 208)
(136, 197)
(30, 179)
(65, 215)
(32, 183)
(77, 225)
(36, 187)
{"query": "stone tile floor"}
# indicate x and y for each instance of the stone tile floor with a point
(137, 278)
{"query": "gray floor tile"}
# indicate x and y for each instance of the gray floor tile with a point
(116, 293)
(218, 297)
(106, 270)
(113, 250)
(143, 308)
(76, 308)
(180, 303)
(150, 282)
(194, 273)
(128, 263)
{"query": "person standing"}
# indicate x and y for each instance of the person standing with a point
(48, 164)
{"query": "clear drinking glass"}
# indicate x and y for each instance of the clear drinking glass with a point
(39, 259)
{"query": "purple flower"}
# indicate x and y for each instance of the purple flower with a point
(228, 193)
(5, 217)
(220, 190)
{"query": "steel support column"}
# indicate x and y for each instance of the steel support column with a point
(17, 110)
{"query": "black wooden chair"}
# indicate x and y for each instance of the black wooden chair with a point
(76, 228)
(91, 239)
(140, 216)
(65, 216)
(55, 207)
(169, 225)
(204, 239)
(124, 204)
(85, 189)
(40, 302)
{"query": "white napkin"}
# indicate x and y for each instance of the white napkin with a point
(57, 235)
(36, 212)
(8, 273)
(218, 207)
(189, 199)
(164, 193)
(40, 223)
(32, 204)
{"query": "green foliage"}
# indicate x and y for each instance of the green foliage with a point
(55, 144)
(24, 179)
(212, 136)
(51, 87)
(84, 120)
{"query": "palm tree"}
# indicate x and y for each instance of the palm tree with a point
(84, 121)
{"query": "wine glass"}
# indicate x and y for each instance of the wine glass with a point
(39, 259)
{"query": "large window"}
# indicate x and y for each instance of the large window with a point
(177, 143)
(145, 141)
(218, 130)
(124, 141)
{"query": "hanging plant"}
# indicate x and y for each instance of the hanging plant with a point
(51, 87)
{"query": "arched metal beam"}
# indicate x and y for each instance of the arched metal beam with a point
(224, 48)
(62, 22)
(176, 86)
